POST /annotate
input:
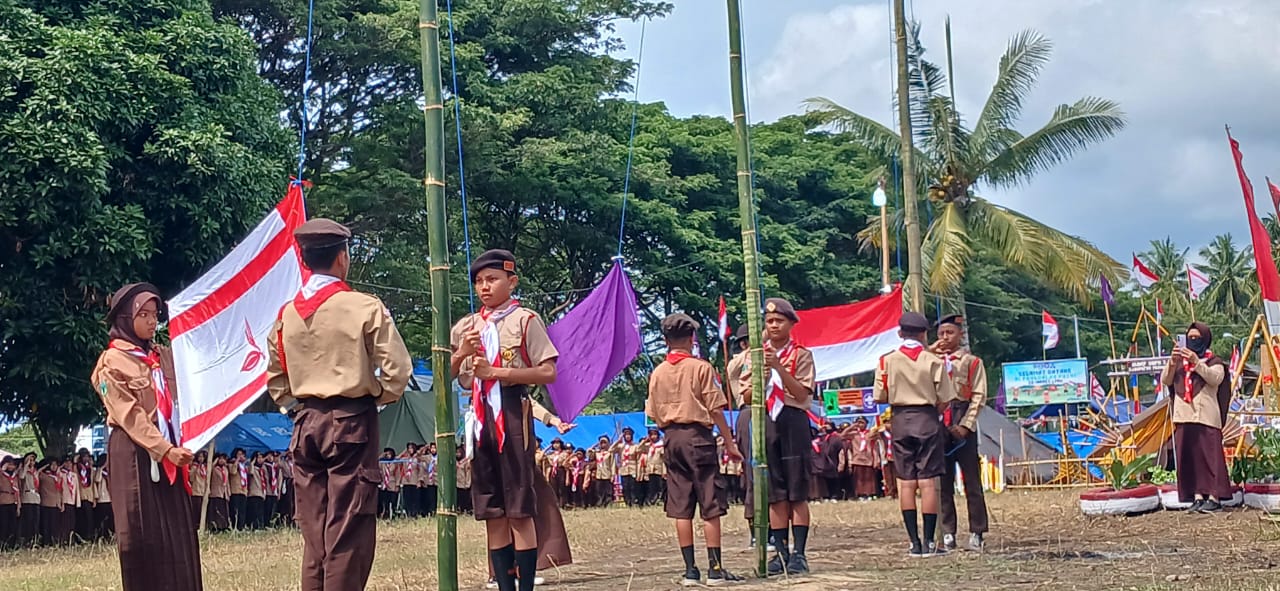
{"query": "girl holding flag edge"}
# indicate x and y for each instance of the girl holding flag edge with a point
(152, 504)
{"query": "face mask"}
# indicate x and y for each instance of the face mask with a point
(1197, 344)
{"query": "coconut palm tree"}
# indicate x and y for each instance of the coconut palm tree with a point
(956, 161)
(1232, 283)
(1169, 262)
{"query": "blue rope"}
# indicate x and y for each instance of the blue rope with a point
(462, 177)
(306, 81)
(631, 141)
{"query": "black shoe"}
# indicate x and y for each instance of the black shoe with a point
(916, 551)
(692, 578)
(1210, 506)
(717, 577)
(798, 565)
(933, 549)
(776, 566)
(1195, 507)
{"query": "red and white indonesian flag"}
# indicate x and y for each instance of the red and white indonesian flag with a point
(1197, 282)
(850, 339)
(219, 325)
(1049, 330)
(1264, 263)
(724, 321)
(1142, 274)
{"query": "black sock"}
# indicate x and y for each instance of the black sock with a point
(526, 568)
(504, 560)
(801, 533)
(713, 559)
(778, 537)
(913, 528)
(930, 525)
(687, 553)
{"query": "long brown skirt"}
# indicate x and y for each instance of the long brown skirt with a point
(1200, 463)
(864, 481)
(154, 530)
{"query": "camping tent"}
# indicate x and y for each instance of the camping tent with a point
(412, 420)
(995, 428)
(267, 431)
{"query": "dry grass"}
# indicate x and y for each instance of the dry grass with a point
(1039, 541)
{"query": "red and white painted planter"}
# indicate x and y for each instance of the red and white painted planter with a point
(1262, 496)
(1169, 498)
(1104, 501)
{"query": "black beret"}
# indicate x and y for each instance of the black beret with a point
(493, 259)
(914, 322)
(744, 332)
(679, 325)
(321, 233)
(955, 319)
(781, 306)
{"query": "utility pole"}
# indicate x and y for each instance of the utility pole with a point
(915, 284)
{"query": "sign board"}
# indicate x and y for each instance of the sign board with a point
(1034, 383)
(848, 401)
(1139, 366)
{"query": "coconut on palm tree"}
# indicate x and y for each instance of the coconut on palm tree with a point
(955, 162)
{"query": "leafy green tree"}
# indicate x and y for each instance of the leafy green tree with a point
(1169, 262)
(1233, 284)
(136, 143)
(956, 161)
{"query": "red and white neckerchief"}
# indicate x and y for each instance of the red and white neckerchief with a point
(273, 480)
(243, 469)
(1188, 367)
(488, 393)
(166, 408)
(777, 392)
(70, 478)
(13, 483)
(675, 357)
(317, 290)
(388, 473)
(86, 476)
(220, 472)
(912, 348)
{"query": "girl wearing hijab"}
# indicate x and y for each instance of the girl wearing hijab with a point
(1199, 386)
(152, 505)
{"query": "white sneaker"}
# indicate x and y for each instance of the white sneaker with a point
(949, 541)
(975, 542)
(492, 584)
(538, 581)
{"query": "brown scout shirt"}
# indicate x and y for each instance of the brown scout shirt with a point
(335, 352)
(100, 482)
(30, 486)
(800, 360)
(606, 465)
(522, 340)
(199, 476)
(130, 399)
(684, 393)
(258, 481)
(1203, 408)
(629, 465)
(733, 377)
(969, 378)
(10, 488)
(655, 460)
(464, 473)
(220, 483)
(50, 493)
(239, 481)
(900, 381)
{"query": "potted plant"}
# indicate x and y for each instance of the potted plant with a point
(1258, 469)
(1127, 495)
(1167, 482)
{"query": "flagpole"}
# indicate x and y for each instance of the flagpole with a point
(1111, 331)
(1075, 320)
(1191, 294)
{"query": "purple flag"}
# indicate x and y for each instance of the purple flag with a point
(597, 339)
(1108, 296)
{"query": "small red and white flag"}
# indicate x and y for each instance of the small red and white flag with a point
(1049, 330)
(1197, 283)
(724, 322)
(1142, 274)
(850, 338)
(1159, 312)
(219, 324)
(1234, 365)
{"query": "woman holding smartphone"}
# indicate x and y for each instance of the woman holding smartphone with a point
(1199, 386)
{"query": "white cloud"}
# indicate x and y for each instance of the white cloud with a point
(1179, 68)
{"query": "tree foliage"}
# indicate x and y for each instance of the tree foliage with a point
(136, 143)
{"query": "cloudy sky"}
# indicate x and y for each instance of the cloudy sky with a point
(1180, 69)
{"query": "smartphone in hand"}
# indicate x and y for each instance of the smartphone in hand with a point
(1182, 341)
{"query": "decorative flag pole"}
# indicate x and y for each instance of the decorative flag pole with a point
(1197, 283)
(1108, 300)
(1049, 330)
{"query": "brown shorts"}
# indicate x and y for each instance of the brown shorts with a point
(502, 482)
(919, 443)
(693, 473)
(789, 453)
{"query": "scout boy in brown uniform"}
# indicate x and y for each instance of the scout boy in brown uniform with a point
(10, 500)
(499, 353)
(239, 486)
(733, 371)
(686, 402)
(606, 469)
(917, 387)
(969, 379)
(335, 356)
(788, 394)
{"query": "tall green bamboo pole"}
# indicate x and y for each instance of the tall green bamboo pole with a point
(755, 322)
(915, 284)
(438, 248)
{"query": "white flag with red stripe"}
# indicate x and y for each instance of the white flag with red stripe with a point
(1049, 330)
(219, 324)
(850, 339)
(1197, 282)
(724, 322)
(1142, 274)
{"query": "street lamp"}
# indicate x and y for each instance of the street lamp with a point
(879, 199)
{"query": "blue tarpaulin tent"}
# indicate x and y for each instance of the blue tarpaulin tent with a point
(267, 431)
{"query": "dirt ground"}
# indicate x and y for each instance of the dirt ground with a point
(1038, 541)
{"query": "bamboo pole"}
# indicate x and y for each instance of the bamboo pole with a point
(915, 283)
(755, 321)
(438, 248)
(204, 505)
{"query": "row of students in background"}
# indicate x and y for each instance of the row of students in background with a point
(409, 484)
(54, 502)
(245, 492)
